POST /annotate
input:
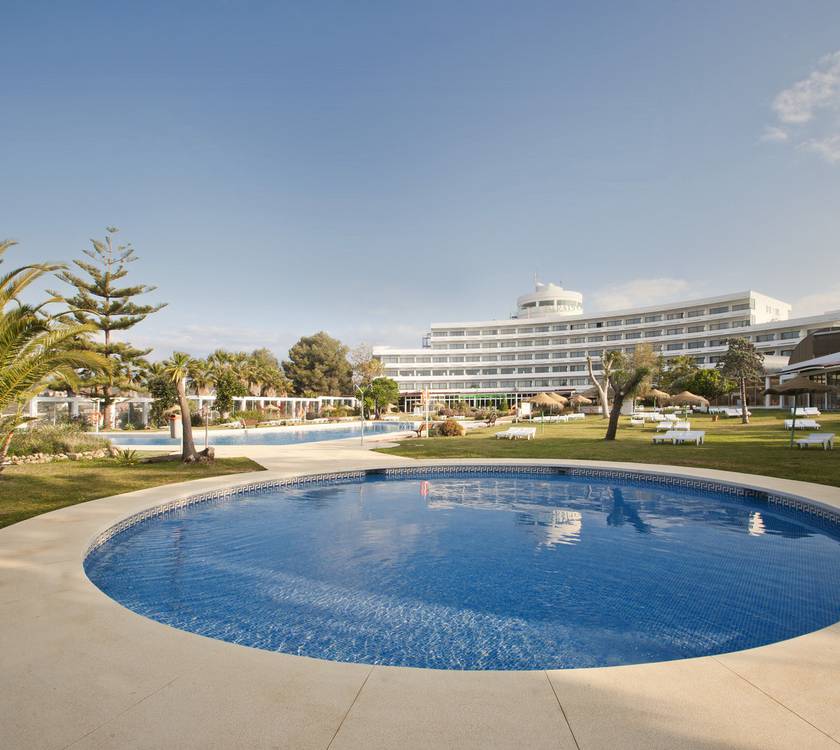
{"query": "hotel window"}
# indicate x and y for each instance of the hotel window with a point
(632, 321)
(613, 336)
(559, 341)
(592, 339)
(473, 358)
(524, 330)
(595, 352)
(740, 323)
(541, 369)
(508, 370)
(472, 372)
(457, 346)
(652, 318)
(457, 333)
(489, 358)
(696, 344)
(524, 356)
(714, 360)
(489, 371)
(766, 337)
(695, 313)
(560, 328)
(674, 331)
(717, 342)
(530, 304)
(578, 381)
(578, 339)
(559, 368)
(559, 355)
(699, 360)
(507, 357)
(547, 303)
(718, 310)
(423, 360)
(456, 359)
(440, 333)
(424, 373)
(439, 373)
(456, 373)
(577, 368)
(652, 334)
(490, 332)
(634, 335)
(489, 345)
(440, 359)
(578, 326)
(577, 354)
(674, 347)
(521, 370)
(613, 323)
(406, 373)
(541, 329)
(790, 335)
(718, 326)
(787, 352)
(742, 306)
(679, 315)
(696, 329)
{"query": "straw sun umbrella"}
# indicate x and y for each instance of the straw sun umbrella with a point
(794, 387)
(659, 396)
(580, 400)
(559, 398)
(543, 400)
(687, 398)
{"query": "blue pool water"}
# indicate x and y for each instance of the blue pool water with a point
(491, 571)
(262, 436)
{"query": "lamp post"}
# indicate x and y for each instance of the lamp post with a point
(362, 392)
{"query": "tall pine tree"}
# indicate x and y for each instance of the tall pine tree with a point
(100, 301)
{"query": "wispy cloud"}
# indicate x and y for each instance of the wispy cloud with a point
(642, 292)
(805, 112)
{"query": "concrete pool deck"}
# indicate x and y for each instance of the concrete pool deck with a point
(81, 671)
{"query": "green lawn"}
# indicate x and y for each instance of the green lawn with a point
(32, 489)
(757, 448)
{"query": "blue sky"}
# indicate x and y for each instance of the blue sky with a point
(366, 168)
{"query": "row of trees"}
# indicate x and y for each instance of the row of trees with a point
(625, 375)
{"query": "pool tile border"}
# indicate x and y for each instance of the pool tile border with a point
(804, 505)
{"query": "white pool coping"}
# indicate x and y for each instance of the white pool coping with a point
(82, 671)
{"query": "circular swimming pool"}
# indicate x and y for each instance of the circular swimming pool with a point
(468, 569)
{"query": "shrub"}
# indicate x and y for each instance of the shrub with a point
(127, 457)
(450, 428)
(51, 439)
(251, 414)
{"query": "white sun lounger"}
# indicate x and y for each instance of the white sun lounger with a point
(674, 426)
(807, 411)
(576, 417)
(802, 424)
(825, 439)
(666, 437)
(637, 422)
(518, 433)
(698, 437)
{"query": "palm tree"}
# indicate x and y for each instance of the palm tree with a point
(34, 347)
(201, 376)
(178, 368)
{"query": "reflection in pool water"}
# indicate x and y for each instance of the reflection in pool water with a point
(495, 571)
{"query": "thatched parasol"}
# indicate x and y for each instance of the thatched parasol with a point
(687, 398)
(658, 395)
(795, 387)
(559, 398)
(580, 400)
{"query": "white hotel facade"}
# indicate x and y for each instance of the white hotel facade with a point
(544, 345)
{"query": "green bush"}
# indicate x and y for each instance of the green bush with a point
(450, 428)
(60, 438)
(252, 414)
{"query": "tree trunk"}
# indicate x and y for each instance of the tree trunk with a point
(745, 419)
(603, 390)
(188, 453)
(4, 450)
(615, 413)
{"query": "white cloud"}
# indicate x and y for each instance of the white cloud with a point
(804, 112)
(828, 148)
(818, 303)
(642, 292)
(819, 90)
(772, 134)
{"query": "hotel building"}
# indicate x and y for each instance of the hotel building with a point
(543, 346)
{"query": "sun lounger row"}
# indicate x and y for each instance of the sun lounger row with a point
(824, 439)
(675, 437)
(807, 411)
(802, 424)
(518, 433)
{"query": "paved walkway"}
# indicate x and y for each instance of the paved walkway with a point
(80, 671)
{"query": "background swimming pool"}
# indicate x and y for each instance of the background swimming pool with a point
(263, 436)
(496, 571)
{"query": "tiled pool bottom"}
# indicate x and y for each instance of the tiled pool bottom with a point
(482, 569)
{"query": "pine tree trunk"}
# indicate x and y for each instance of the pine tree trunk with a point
(188, 453)
(745, 419)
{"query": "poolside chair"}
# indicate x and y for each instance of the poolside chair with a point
(637, 422)
(698, 437)
(802, 424)
(825, 439)
(666, 437)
